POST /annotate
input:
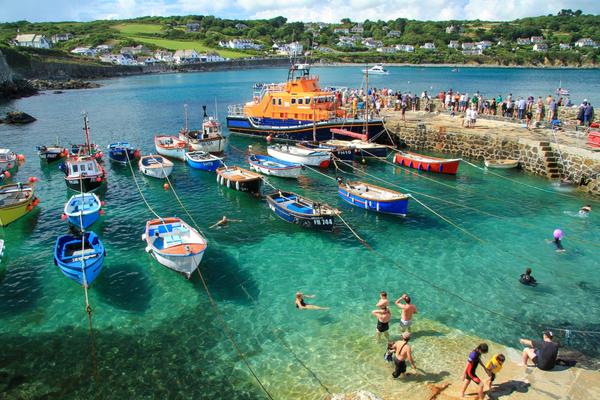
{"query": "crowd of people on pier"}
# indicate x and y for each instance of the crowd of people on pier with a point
(530, 110)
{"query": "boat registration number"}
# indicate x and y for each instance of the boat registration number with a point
(323, 222)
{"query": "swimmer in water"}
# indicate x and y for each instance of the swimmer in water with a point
(224, 222)
(527, 279)
(585, 209)
(301, 304)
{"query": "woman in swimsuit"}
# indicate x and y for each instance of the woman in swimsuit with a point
(469, 375)
(301, 304)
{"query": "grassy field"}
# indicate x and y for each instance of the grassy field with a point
(135, 29)
(141, 34)
(186, 44)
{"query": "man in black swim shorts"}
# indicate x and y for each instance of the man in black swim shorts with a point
(383, 316)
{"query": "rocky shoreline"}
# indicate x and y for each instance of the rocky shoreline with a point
(69, 84)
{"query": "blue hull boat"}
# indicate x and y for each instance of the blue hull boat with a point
(373, 198)
(203, 160)
(82, 210)
(299, 210)
(122, 152)
(73, 258)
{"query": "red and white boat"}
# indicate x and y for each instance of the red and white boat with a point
(170, 146)
(427, 163)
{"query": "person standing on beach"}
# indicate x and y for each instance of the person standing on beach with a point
(542, 353)
(408, 310)
(403, 352)
(469, 375)
(383, 315)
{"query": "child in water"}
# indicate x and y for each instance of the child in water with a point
(527, 279)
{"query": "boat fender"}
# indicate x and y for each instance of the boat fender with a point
(148, 249)
(228, 183)
(218, 177)
(237, 186)
(143, 236)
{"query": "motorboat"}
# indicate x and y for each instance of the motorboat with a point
(170, 146)
(52, 153)
(122, 152)
(155, 166)
(203, 160)
(80, 257)
(376, 69)
(299, 210)
(268, 165)
(373, 198)
(83, 174)
(209, 139)
(299, 155)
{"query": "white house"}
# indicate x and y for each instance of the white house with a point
(210, 57)
(387, 50)
(394, 34)
(537, 39)
(32, 40)
(164, 56)
(186, 57)
(564, 46)
(84, 51)
(241, 27)
(523, 41)
(61, 37)
(453, 44)
(585, 42)
(540, 47)
(192, 27)
(408, 48)
(370, 43)
(484, 44)
(358, 29)
(291, 49)
(103, 48)
(471, 49)
(241, 44)
(146, 60)
(139, 49)
(428, 46)
(341, 31)
(454, 29)
(119, 59)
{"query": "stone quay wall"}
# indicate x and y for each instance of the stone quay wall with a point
(576, 165)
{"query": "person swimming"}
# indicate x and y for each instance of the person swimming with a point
(302, 305)
(585, 209)
(527, 279)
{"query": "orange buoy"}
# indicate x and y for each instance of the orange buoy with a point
(30, 207)
(269, 138)
(36, 202)
(166, 186)
(21, 157)
(32, 179)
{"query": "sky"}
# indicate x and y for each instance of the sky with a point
(295, 10)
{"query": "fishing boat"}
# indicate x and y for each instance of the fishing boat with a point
(342, 152)
(88, 148)
(8, 159)
(209, 139)
(502, 164)
(373, 198)
(376, 69)
(299, 210)
(174, 244)
(52, 153)
(427, 163)
(155, 166)
(170, 146)
(239, 179)
(299, 155)
(203, 160)
(122, 152)
(362, 148)
(272, 166)
(83, 209)
(16, 200)
(295, 110)
(83, 174)
(80, 257)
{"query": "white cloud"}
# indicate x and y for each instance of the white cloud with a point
(298, 10)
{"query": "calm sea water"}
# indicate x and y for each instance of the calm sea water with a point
(156, 335)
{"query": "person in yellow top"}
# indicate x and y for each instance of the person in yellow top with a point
(494, 366)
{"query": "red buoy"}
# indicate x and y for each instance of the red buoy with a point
(102, 212)
(6, 174)
(166, 186)
(98, 179)
(36, 202)
(269, 138)
(63, 216)
(33, 179)
(102, 203)
(21, 157)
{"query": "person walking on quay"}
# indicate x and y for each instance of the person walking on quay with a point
(588, 114)
(539, 111)
(521, 105)
(542, 353)
(403, 352)
(408, 310)
(469, 375)
(383, 315)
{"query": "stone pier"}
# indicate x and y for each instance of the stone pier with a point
(561, 155)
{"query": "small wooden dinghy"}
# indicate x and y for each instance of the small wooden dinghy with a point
(299, 210)
(203, 160)
(272, 166)
(170, 146)
(427, 163)
(83, 209)
(73, 258)
(239, 179)
(502, 164)
(155, 166)
(299, 155)
(373, 198)
(174, 244)
(16, 200)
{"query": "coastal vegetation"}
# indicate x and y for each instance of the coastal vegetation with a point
(503, 43)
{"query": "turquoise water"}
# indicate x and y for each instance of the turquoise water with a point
(156, 335)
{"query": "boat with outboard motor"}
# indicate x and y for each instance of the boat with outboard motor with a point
(52, 153)
(376, 69)
(80, 257)
(299, 210)
(122, 152)
(373, 198)
(296, 110)
(155, 166)
(174, 244)
(203, 160)
(299, 155)
(273, 166)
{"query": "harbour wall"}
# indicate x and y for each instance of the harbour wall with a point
(576, 165)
